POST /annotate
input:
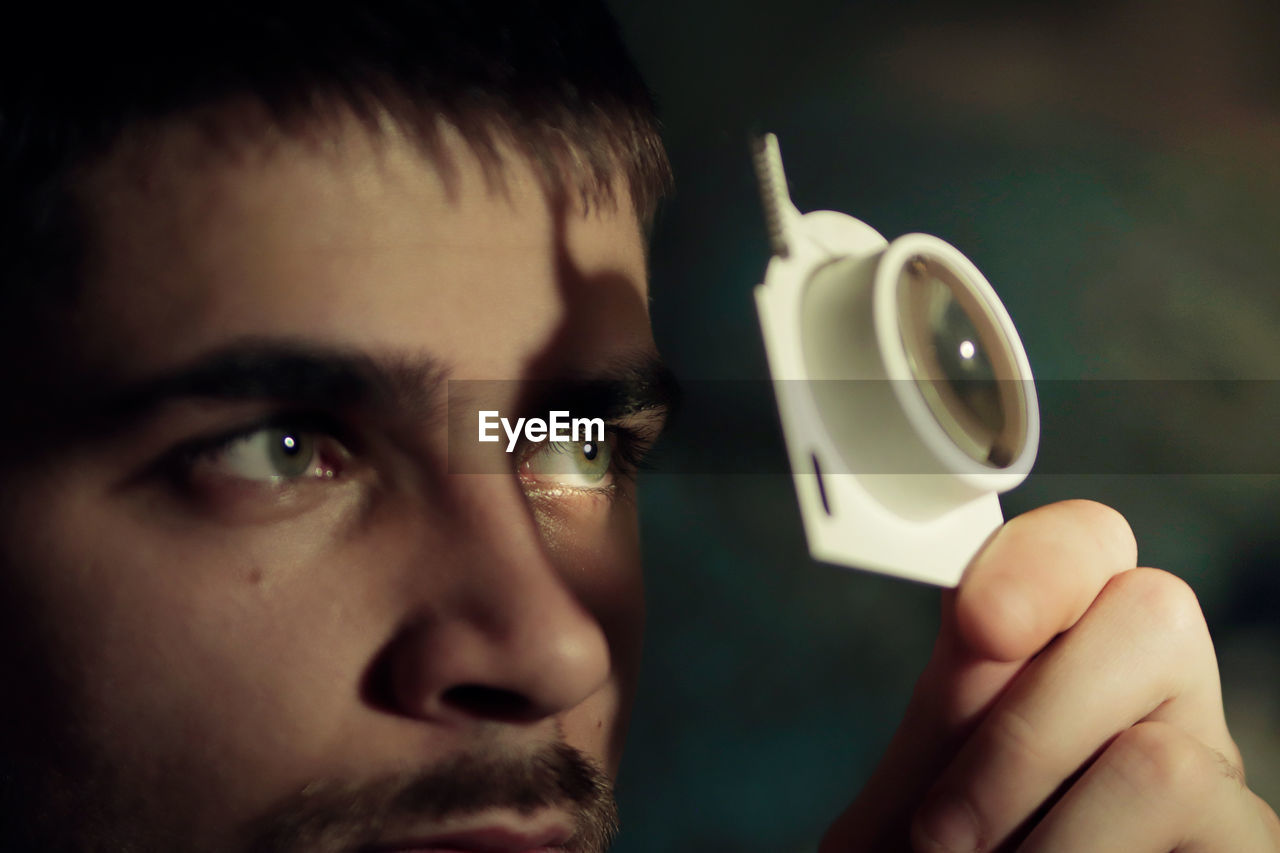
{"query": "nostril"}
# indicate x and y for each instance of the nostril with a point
(492, 703)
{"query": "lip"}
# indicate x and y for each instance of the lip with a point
(494, 837)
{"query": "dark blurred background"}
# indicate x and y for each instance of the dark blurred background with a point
(1113, 168)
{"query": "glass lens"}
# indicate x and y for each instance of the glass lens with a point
(961, 362)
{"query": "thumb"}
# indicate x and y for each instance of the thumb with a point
(1031, 581)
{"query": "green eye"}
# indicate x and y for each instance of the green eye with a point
(573, 464)
(271, 454)
(292, 453)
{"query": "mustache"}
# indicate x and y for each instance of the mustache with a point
(337, 815)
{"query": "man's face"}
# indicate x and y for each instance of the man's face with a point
(249, 600)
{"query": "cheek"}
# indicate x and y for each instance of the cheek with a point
(595, 542)
(176, 660)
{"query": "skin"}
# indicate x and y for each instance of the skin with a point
(1072, 703)
(213, 641)
(201, 648)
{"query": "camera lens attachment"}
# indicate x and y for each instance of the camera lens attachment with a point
(906, 398)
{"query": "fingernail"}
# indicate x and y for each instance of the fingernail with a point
(945, 825)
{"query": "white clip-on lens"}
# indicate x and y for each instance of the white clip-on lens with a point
(905, 395)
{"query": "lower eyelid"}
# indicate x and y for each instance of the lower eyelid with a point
(223, 497)
(559, 493)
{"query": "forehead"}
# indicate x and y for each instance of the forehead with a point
(357, 240)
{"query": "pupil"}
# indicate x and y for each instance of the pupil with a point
(590, 451)
(289, 444)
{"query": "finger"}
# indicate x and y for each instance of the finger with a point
(1157, 662)
(954, 691)
(1153, 790)
(960, 684)
(1035, 579)
(1038, 575)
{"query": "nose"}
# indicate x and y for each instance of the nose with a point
(498, 633)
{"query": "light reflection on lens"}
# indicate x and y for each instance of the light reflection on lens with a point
(961, 362)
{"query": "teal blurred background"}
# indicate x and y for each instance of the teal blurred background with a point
(1113, 169)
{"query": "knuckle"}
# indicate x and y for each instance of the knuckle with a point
(1234, 759)
(1163, 601)
(1011, 736)
(1159, 760)
(1231, 765)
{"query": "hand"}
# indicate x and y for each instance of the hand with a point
(1072, 703)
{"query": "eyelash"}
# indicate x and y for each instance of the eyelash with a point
(630, 450)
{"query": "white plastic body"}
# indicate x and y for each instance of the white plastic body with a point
(828, 311)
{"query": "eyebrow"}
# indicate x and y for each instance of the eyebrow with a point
(302, 374)
(406, 387)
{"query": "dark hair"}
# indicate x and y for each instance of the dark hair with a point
(551, 77)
